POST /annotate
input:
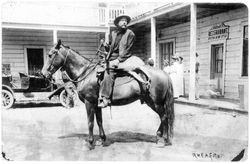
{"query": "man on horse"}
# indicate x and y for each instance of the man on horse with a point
(119, 51)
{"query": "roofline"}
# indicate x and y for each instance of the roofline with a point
(54, 27)
(157, 12)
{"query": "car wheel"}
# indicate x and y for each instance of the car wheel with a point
(7, 99)
(64, 99)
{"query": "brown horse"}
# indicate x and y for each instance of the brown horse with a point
(82, 73)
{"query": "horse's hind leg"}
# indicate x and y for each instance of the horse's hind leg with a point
(99, 123)
(160, 111)
(166, 114)
(165, 130)
(166, 135)
(160, 131)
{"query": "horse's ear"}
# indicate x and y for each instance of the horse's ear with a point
(58, 44)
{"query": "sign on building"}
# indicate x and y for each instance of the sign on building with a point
(217, 32)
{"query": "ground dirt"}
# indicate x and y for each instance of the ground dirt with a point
(46, 132)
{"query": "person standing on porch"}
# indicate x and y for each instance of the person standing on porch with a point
(174, 77)
(166, 67)
(197, 68)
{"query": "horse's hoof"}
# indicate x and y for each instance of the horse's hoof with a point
(168, 144)
(99, 142)
(158, 134)
(106, 143)
(91, 146)
(160, 143)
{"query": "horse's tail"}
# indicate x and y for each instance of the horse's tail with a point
(169, 108)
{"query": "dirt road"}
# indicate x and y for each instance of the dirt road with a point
(55, 133)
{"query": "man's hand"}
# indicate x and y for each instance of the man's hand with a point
(104, 42)
(114, 63)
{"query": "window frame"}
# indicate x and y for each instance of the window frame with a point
(215, 68)
(224, 43)
(165, 41)
(243, 24)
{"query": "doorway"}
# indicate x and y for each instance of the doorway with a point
(35, 60)
(216, 69)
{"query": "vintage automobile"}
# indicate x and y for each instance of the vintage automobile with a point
(30, 88)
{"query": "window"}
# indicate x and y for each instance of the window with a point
(245, 52)
(166, 52)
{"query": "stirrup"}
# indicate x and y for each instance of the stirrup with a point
(103, 103)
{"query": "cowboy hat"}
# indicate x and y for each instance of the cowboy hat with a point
(117, 19)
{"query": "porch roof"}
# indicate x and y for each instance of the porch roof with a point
(54, 27)
(177, 13)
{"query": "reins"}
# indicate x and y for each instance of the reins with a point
(81, 74)
(84, 71)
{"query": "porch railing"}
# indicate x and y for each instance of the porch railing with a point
(107, 15)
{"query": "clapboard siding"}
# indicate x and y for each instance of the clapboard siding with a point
(147, 45)
(15, 40)
(138, 48)
(24, 32)
(224, 17)
(181, 33)
(85, 43)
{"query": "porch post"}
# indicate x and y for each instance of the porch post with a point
(153, 40)
(193, 27)
(55, 36)
(107, 33)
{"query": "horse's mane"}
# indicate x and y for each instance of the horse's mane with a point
(71, 49)
(77, 52)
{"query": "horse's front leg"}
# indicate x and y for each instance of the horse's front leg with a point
(90, 114)
(99, 123)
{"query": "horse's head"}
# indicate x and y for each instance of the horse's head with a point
(55, 60)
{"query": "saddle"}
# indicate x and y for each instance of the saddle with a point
(126, 75)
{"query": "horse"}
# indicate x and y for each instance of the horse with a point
(82, 72)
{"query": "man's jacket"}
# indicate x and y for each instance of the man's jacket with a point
(125, 45)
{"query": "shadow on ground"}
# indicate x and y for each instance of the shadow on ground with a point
(34, 104)
(120, 136)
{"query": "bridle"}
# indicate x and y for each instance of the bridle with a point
(56, 52)
(65, 59)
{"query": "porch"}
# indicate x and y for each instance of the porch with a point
(172, 29)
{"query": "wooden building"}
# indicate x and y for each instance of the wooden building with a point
(28, 36)
(221, 32)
